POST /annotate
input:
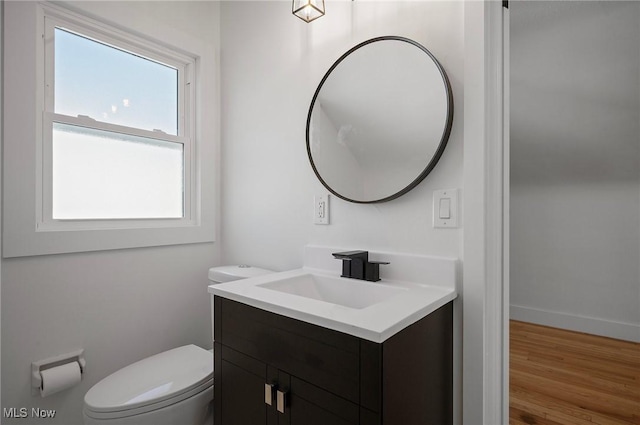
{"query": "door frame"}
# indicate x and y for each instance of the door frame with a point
(485, 296)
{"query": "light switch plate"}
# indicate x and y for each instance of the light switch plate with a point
(321, 209)
(445, 208)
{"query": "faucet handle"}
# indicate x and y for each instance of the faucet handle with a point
(372, 270)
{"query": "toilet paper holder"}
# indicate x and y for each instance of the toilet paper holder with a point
(40, 365)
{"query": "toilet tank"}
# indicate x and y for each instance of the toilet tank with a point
(222, 274)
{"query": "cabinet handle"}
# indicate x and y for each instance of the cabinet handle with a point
(268, 394)
(280, 401)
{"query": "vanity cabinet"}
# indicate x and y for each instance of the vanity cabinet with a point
(324, 376)
(246, 384)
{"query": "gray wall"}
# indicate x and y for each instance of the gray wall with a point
(121, 305)
(575, 165)
(1, 138)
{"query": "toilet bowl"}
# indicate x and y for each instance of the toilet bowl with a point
(170, 388)
(174, 387)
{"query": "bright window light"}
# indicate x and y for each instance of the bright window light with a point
(105, 175)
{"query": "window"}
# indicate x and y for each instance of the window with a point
(100, 146)
(116, 130)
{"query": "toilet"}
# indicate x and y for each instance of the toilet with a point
(170, 388)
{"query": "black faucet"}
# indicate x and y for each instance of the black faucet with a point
(356, 265)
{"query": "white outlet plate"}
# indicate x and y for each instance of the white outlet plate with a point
(445, 208)
(321, 209)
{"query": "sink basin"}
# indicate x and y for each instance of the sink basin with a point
(349, 293)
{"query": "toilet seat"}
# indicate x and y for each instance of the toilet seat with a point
(152, 383)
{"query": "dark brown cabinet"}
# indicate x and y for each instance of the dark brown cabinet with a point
(252, 392)
(274, 370)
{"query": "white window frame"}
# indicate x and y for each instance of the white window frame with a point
(131, 44)
(28, 228)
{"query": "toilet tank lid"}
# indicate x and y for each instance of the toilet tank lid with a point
(160, 377)
(229, 273)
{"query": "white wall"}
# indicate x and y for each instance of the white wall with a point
(121, 305)
(575, 165)
(272, 63)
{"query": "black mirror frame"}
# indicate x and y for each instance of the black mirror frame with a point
(445, 134)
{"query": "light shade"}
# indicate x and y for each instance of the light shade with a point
(308, 10)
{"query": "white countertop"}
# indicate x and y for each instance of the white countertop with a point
(376, 322)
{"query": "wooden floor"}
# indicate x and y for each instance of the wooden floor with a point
(563, 377)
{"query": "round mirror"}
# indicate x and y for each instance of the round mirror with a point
(379, 120)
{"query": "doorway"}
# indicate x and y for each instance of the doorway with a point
(574, 229)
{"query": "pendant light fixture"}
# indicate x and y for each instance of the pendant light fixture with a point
(308, 10)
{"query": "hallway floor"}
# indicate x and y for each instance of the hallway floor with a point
(564, 377)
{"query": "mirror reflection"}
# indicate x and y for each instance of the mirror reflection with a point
(379, 120)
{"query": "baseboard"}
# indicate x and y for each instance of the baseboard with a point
(590, 325)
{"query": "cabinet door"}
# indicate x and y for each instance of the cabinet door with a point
(240, 396)
(240, 390)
